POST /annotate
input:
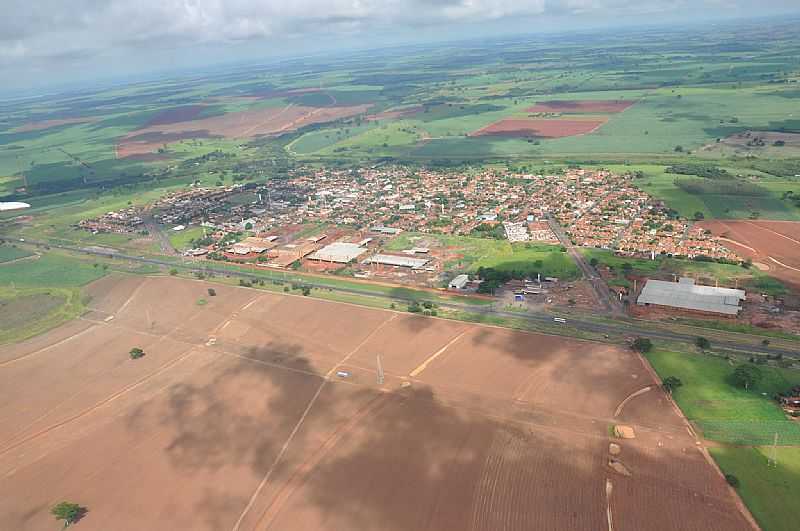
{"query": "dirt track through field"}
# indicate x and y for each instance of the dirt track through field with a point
(261, 411)
(775, 244)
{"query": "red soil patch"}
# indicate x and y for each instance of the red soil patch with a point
(47, 124)
(581, 106)
(230, 418)
(522, 127)
(775, 244)
(242, 124)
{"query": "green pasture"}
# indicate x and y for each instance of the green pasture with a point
(9, 253)
(708, 395)
(770, 492)
(499, 254)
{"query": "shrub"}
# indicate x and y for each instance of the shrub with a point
(136, 353)
(642, 344)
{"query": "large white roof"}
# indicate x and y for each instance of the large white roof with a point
(687, 295)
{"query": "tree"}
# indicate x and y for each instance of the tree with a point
(702, 343)
(671, 383)
(306, 291)
(746, 375)
(642, 344)
(593, 262)
(212, 292)
(136, 353)
(699, 216)
(732, 480)
(69, 512)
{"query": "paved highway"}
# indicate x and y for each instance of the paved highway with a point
(621, 326)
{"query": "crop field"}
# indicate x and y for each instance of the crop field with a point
(9, 253)
(263, 411)
(661, 98)
(748, 421)
(773, 245)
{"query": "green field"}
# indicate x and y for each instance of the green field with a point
(9, 253)
(769, 491)
(731, 414)
(50, 269)
(499, 254)
(181, 240)
(39, 294)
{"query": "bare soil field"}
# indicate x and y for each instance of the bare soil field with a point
(774, 244)
(257, 411)
(581, 106)
(241, 124)
(539, 128)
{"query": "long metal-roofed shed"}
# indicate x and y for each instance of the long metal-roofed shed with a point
(339, 252)
(398, 261)
(687, 295)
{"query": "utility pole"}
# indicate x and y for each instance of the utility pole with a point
(380, 369)
(773, 460)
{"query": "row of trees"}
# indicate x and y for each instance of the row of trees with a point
(746, 375)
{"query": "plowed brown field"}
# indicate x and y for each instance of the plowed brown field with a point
(775, 244)
(237, 419)
(541, 128)
(242, 124)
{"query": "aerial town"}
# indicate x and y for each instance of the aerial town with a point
(328, 219)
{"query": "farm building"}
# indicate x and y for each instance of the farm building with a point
(459, 282)
(339, 252)
(398, 261)
(386, 230)
(687, 295)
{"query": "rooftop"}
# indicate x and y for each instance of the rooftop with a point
(393, 260)
(687, 295)
(340, 252)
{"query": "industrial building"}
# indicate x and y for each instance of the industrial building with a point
(398, 261)
(339, 252)
(459, 282)
(687, 295)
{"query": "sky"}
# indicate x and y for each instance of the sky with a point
(49, 43)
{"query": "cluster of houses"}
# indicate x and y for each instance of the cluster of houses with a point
(127, 220)
(597, 208)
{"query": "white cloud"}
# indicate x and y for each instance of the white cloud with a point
(32, 29)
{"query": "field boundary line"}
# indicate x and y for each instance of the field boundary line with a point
(97, 405)
(784, 265)
(737, 500)
(299, 423)
(301, 473)
(130, 298)
(48, 347)
(776, 233)
(277, 460)
(424, 365)
(630, 397)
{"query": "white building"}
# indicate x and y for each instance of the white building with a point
(460, 282)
